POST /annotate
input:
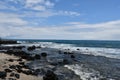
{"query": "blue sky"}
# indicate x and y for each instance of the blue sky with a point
(60, 19)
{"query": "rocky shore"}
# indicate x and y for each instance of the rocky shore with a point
(16, 64)
(42, 63)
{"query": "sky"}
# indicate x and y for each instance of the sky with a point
(60, 19)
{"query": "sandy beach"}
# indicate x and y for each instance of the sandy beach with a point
(5, 62)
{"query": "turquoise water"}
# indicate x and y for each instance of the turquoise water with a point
(81, 43)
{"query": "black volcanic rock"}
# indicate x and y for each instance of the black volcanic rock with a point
(50, 75)
(3, 74)
(31, 48)
(44, 54)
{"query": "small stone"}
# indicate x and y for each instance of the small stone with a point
(11, 60)
(8, 70)
(19, 59)
(72, 56)
(21, 63)
(11, 79)
(17, 76)
(12, 74)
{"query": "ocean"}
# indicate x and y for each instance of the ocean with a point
(94, 59)
(96, 47)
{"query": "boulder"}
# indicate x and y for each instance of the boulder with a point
(50, 75)
(44, 54)
(31, 48)
(3, 74)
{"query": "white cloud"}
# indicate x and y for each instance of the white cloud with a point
(40, 5)
(11, 19)
(68, 13)
(10, 26)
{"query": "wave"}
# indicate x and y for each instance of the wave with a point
(96, 51)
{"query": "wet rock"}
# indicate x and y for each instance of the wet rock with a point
(65, 61)
(72, 56)
(27, 72)
(31, 48)
(44, 54)
(3, 74)
(37, 56)
(17, 76)
(78, 49)
(7, 70)
(65, 52)
(26, 66)
(50, 75)
(103, 79)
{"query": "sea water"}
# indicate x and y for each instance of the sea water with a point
(88, 67)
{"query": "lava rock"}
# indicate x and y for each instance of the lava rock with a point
(12, 67)
(11, 60)
(72, 56)
(44, 54)
(3, 74)
(50, 75)
(7, 70)
(22, 63)
(17, 76)
(31, 48)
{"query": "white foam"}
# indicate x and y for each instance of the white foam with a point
(107, 52)
(84, 73)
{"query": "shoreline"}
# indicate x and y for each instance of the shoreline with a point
(6, 61)
(39, 63)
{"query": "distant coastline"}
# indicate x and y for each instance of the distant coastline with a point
(6, 41)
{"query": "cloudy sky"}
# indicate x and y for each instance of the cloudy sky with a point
(60, 19)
